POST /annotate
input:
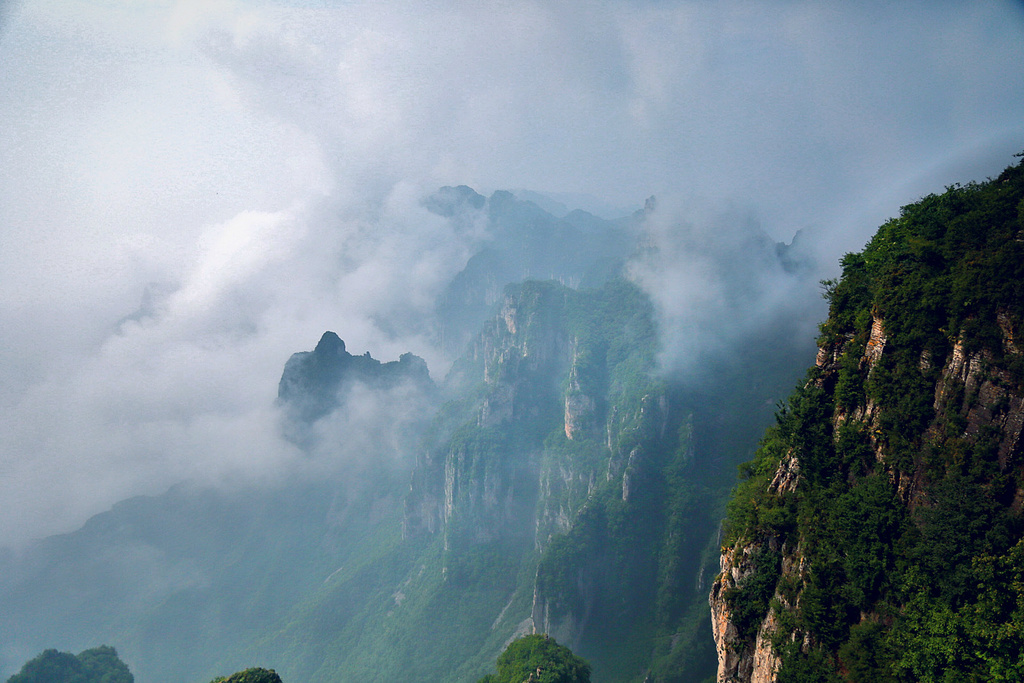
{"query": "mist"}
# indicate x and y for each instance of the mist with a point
(194, 191)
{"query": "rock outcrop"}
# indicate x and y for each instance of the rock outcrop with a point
(466, 486)
(314, 382)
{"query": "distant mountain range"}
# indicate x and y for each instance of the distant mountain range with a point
(554, 481)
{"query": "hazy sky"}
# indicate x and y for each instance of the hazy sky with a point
(191, 191)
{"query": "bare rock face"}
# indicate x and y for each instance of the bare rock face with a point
(580, 408)
(467, 490)
(737, 659)
(787, 476)
(876, 342)
(733, 663)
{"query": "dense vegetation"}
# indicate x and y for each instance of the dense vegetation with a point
(906, 516)
(256, 675)
(538, 659)
(98, 665)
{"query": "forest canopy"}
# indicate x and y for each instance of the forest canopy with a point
(539, 659)
(98, 665)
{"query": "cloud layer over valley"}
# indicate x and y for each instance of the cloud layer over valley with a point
(192, 191)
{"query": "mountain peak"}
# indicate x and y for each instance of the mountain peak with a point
(330, 344)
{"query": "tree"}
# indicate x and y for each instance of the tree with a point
(98, 665)
(255, 675)
(102, 665)
(539, 659)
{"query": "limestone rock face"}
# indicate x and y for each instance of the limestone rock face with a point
(978, 375)
(560, 451)
(469, 488)
(737, 661)
(732, 664)
(580, 407)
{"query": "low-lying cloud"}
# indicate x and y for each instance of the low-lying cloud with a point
(193, 191)
(717, 280)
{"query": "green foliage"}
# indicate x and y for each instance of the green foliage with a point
(539, 659)
(925, 585)
(749, 600)
(254, 675)
(866, 656)
(98, 665)
(51, 667)
(101, 664)
(810, 667)
(850, 385)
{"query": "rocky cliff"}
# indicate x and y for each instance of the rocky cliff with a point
(479, 479)
(313, 382)
(569, 453)
(316, 383)
(876, 535)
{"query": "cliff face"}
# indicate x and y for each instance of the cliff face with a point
(865, 532)
(479, 481)
(536, 370)
(973, 390)
(564, 450)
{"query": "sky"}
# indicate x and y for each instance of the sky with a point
(191, 191)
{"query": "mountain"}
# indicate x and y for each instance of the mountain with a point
(518, 240)
(562, 489)
(555, 480)
(210, 571)
(316, 383)
(877, 533)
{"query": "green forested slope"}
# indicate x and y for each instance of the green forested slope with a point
(879, 526)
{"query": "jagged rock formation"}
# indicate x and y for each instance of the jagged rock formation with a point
(876, 536)
(316, 383)
(533, 369)
(313, 381)
(481, 480)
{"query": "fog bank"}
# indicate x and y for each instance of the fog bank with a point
(192, 191)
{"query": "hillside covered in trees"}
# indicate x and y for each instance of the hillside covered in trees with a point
(876, 535)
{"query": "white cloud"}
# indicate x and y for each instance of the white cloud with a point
(262, 163)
